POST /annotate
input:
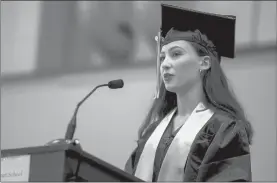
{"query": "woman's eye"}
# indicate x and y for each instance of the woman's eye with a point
(176, 54)
(162, 58)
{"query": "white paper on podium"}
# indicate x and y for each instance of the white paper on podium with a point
(15, 168)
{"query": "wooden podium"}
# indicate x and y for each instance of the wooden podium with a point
(66, 163)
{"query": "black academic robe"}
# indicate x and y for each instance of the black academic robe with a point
(220, 152)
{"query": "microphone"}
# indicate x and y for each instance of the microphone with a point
(114, 84)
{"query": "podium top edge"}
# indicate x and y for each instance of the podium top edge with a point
(34, 150)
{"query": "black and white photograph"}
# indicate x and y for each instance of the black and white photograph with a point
(138, 91)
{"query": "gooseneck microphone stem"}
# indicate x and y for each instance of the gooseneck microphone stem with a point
(85, 98)
(72, 125)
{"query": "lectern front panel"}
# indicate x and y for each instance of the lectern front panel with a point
(47, 167)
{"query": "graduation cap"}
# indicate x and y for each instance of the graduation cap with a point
(219, 29)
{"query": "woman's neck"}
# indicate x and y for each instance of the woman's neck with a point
(189, 99)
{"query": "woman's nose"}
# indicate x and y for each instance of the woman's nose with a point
(165, 64)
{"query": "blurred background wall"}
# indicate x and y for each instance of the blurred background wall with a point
(54, 53)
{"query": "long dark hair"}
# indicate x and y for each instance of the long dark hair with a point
(217, 95)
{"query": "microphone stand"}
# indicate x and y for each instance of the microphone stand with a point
(68, 140)
(72, 125)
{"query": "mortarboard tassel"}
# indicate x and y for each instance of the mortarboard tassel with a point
(158, 75)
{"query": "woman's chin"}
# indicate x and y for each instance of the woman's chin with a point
(170, 87)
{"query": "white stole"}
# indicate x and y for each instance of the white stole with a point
(172, 168)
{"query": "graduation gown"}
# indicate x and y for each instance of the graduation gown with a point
(220, 152)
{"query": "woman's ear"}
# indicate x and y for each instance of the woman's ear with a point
(205, 63)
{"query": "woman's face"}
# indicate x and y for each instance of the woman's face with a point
(180, 65)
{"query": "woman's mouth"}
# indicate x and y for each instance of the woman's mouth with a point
(167, 76)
